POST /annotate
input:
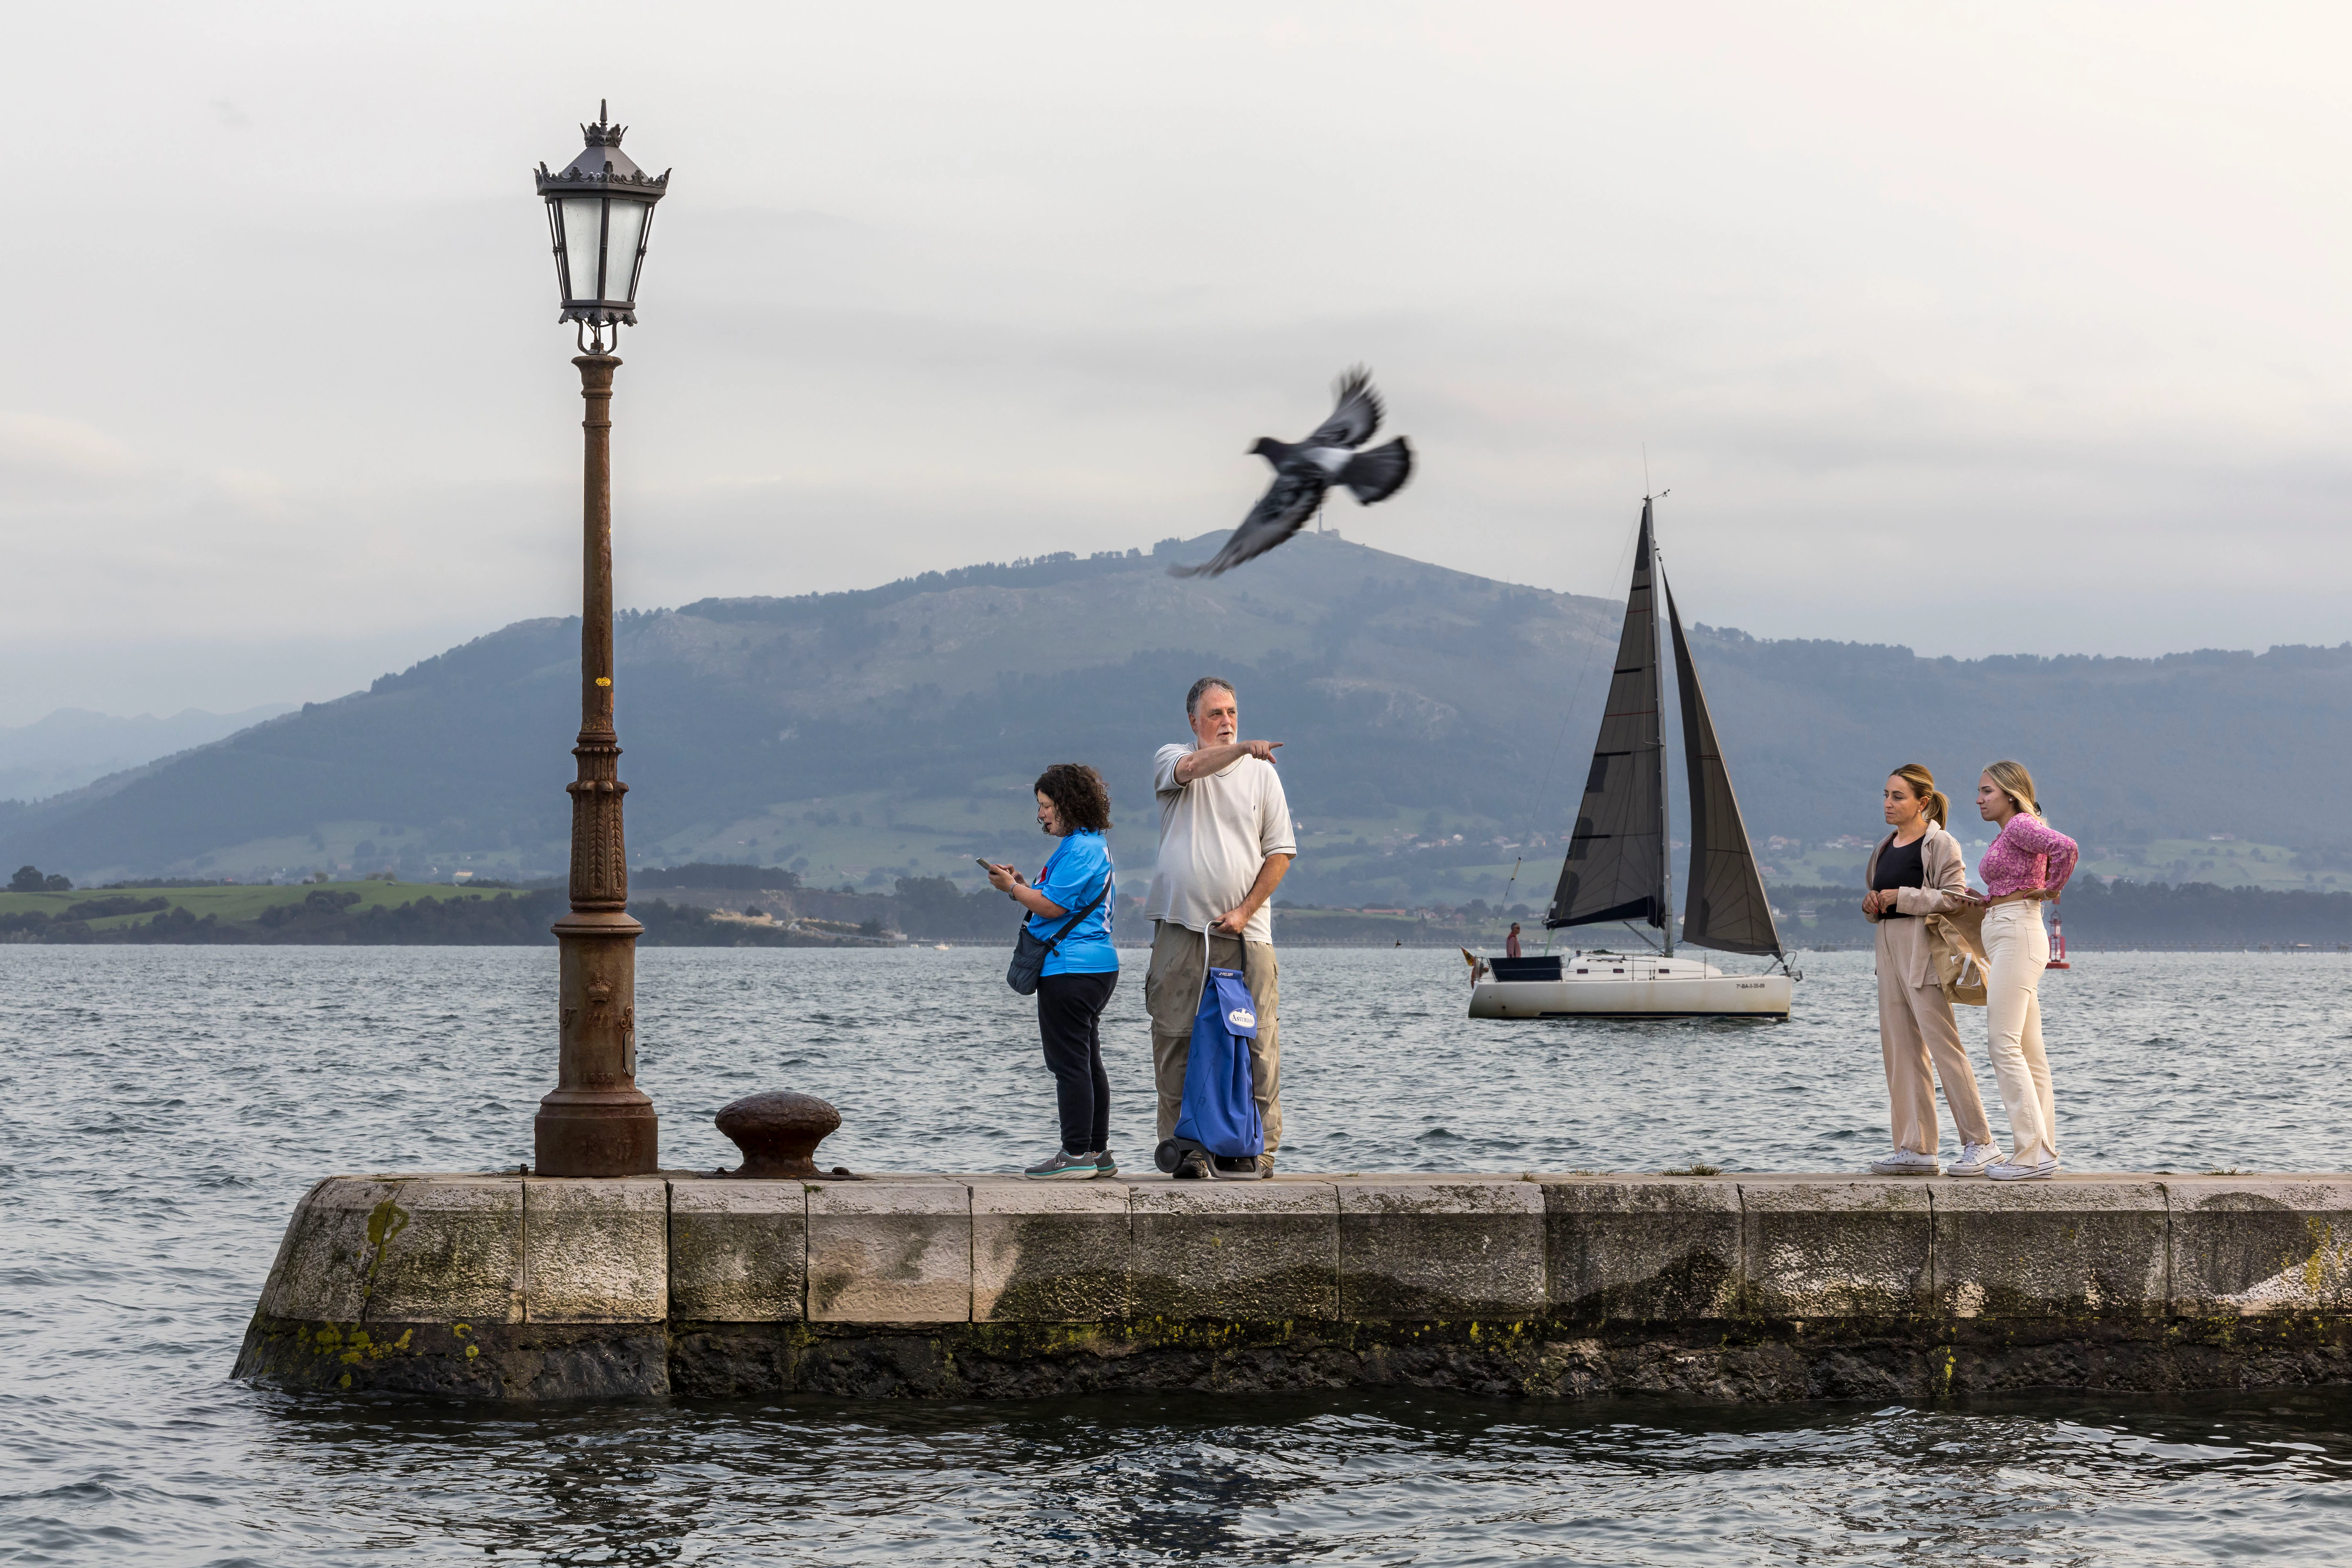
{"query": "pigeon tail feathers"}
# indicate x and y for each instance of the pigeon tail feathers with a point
(1376, 475)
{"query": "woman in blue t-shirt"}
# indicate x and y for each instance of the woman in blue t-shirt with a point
(1083, 967)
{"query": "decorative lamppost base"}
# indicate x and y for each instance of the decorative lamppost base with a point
(596, 1121)
(595, 1132)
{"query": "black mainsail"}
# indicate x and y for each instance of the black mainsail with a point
(1725, 908)
(1617, 867)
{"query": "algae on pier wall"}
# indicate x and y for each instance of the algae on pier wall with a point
(1735, 1287)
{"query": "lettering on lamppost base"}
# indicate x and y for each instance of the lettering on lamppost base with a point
(596, 1121)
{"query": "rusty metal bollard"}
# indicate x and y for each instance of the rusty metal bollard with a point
(779, 1133)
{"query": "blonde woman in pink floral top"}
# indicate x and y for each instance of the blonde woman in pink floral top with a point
(2029, 862)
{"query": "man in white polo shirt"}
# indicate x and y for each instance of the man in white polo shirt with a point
(1224, 844)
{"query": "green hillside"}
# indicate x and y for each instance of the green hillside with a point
(1435, 724)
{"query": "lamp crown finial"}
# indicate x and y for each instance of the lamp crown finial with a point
(603, 133)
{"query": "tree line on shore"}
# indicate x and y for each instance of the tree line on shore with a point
(2119, 914)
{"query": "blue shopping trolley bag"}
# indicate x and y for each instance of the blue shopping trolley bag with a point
(1219, 1116)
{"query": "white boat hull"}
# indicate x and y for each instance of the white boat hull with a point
(1611, 996)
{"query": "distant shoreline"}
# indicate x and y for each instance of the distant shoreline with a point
(2119, 917)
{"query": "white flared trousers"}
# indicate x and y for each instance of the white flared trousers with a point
(2017, 948)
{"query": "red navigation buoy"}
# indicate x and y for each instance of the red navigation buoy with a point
(2058, 933)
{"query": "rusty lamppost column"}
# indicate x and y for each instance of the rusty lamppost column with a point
(596, 1121)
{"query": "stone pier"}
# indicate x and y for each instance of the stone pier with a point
(1734, 1288)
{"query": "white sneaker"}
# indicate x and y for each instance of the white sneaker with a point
(1976, 1159)
(2005, 1172)
(1906, 1162)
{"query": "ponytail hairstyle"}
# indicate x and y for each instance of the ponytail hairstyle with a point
(1923, 787)
(2014, 781)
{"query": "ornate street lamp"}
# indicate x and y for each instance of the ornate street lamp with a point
(601, 211)
(596, 1121)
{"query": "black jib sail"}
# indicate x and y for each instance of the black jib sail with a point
(1616, 867)
(1725, 908)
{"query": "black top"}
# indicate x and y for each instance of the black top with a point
(1899, 866)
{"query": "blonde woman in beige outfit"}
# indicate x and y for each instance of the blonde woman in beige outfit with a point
(1917, 869)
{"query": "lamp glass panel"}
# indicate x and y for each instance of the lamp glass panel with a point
(583, 234)
(555, 234)
(644, 240)
(628, 224)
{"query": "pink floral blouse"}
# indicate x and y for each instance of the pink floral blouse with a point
(2027, 853)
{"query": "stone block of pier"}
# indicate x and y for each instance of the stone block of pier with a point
(596, 1251)
(889, 1252)
(452, 1253)
(737, 1251)
(1660, 1249)
(2261, 1246)
(1834, 1248)
(2061, 1249)
(1050, 1252)
(1453, 1247)
(1245, 1251)
(326, 1262)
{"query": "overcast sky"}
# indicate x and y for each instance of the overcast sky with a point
(2021, 329)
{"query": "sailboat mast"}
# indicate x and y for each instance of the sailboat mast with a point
(1658, 662)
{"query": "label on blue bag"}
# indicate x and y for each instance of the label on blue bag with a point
(1228, 1003)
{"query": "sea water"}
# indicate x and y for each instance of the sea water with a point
(166, 1107)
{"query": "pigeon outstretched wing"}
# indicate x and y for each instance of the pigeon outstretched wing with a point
(1356, 417)
(1284, 508)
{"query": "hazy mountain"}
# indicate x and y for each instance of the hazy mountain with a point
(72, 746)
(861, 736)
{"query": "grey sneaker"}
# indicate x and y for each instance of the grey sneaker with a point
(2009, 1171)
(1192, 1168)
(1976, 1159)
(1063, 1166)
(1105, 1165)
(1906, 1162)
(1264, 1167)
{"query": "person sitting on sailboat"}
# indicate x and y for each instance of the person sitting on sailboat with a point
(1917, 871)
(2029, 863)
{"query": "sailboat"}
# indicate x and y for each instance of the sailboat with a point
(1620, 865)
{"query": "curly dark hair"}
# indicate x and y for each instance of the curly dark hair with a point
(1078, 792)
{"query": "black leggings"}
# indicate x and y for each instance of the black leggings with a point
(1069, 1009)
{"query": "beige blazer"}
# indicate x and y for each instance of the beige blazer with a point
(1903, 944)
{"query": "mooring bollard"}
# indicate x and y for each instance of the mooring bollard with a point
(778, 1133)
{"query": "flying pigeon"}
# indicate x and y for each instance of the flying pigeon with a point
(1302, 473)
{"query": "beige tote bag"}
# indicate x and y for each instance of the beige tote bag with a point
(1956, 947)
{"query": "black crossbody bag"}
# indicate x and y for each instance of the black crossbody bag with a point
(1030, 951)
